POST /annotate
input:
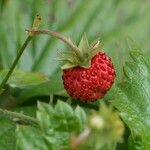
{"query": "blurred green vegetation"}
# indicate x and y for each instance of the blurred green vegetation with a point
(115, 22)
(121, 25)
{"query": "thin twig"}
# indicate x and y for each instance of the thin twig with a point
(57, 35)
(15, 62)
(17, 117)
(35, 25)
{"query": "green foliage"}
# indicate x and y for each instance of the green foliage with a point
(55, 127)
(113, 21)
(132, 99)
(106, 129)
(7, 133)
(18, 81)
(80, 55)
(29, 138)
(25, 85)
(20, 78)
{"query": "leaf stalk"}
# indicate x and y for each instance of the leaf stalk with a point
(20, 118)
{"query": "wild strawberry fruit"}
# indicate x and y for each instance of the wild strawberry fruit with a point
(88, 73)
(90, 84)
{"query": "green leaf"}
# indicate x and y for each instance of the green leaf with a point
(21, 78)
(80, 114)
(132, 99)
(17, 93)
(25, 85)
(29, 138)
(7, 134)
(136, 143)
(55, 127)
(53, 86)
(62, 117)
(65, 113)
(44, 114)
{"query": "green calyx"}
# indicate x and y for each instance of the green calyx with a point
(82, 55)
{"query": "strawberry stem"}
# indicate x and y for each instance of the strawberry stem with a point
(59, 36)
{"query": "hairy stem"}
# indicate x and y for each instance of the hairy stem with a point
(20, 118)
(35, 25)
(57, 35)
(15, 62)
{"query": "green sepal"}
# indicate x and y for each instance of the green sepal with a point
(96, 48)
(68, 65)
(83, 58)
(69, 56)
(84, 46)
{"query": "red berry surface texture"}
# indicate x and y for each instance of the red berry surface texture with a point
(90, 84)
(88, 72)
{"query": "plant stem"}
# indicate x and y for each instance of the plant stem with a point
(57, 35)
(15, 62)
(20, 118)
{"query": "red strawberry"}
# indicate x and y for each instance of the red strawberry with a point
(90, 84)
(89, 74)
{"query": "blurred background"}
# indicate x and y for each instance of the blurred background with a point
(120, 25)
